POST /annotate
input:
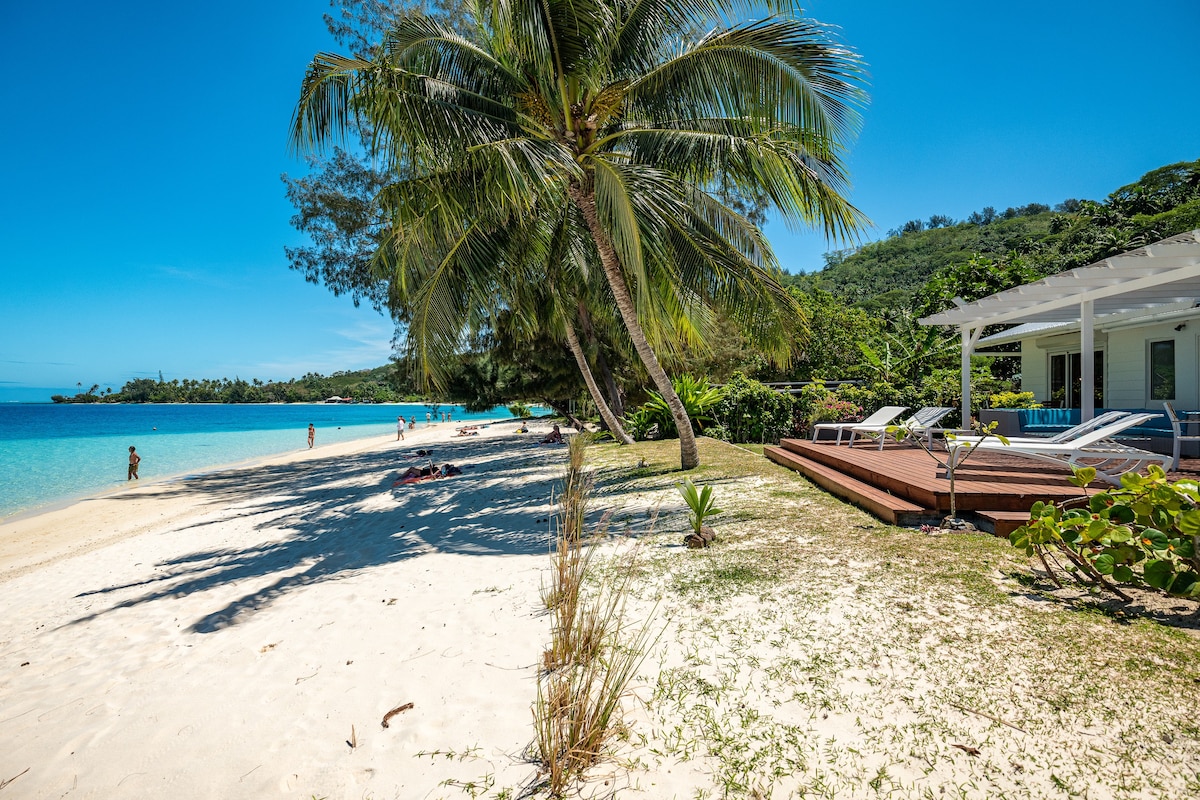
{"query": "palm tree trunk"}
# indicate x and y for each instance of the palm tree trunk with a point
(689, 455)
(610, 419)
(615, 401)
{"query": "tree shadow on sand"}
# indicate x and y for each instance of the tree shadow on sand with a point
(338, 516)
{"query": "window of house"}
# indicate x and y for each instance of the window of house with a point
(1162, 370)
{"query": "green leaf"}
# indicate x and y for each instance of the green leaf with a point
(1119, 535)
(1158, 573)
(1121, 514)
(1155, 539)
(1084, 476)
(1122, 573)
(1131, 480)
(1185, 583)
(1189, 522)
(1104, 564)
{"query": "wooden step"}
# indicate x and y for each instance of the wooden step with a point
(886, 506)
(1001, 523)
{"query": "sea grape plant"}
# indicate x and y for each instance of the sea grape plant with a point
(1144, 533)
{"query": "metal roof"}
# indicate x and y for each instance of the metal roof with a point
(1163, 273)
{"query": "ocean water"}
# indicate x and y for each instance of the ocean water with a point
(52, 453)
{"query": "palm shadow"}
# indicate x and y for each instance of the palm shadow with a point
(342, 515)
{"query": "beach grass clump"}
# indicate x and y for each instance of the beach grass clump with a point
(595, 651)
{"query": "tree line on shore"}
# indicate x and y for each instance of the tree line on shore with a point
(380, 385)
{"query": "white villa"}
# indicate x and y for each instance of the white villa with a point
(1128, 325)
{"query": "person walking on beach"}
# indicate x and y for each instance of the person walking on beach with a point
(399, 429)
(134, 460)
(312, 435)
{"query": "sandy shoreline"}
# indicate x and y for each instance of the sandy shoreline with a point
(229, 635)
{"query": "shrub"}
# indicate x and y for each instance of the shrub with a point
(1145, 533)
(753, 412)
(639, 422)
(520, 410)
(1013, 400)
(698, 398)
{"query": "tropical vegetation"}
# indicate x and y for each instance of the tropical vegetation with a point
(582, 150)
(860, 310)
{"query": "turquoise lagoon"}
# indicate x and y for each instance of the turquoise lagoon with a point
(54, 453)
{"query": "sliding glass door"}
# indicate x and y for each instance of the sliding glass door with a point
(1066, 379)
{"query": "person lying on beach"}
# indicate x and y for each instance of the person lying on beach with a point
(470, 430)
(418, 472)
(415, 474)
(553, 437)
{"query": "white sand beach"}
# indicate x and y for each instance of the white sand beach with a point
(234, 634)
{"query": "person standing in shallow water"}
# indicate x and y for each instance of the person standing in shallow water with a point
(134, 460)
(312, 435)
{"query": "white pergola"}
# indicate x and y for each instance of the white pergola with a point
(1159, 275)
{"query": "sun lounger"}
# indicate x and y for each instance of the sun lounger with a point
(923, 423)
(881, 417)
(1096, 449)
(1100, 421)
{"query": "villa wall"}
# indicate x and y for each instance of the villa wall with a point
(1126, 362)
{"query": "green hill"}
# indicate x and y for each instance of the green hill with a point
(894, 272)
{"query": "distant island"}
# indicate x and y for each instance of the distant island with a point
(379, 385)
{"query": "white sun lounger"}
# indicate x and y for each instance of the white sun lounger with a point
(881, 417)
(1095, 449)
(1106, 418)
(922, 423)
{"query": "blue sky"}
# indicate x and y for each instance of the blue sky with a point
(142, 222)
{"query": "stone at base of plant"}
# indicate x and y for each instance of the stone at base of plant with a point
(703, 538)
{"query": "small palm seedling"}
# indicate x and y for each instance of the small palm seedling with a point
(700, 501)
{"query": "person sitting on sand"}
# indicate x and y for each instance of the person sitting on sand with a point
(524, 427)
(449, 469)
(553, 437)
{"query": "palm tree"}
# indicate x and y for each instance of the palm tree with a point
(612, 117)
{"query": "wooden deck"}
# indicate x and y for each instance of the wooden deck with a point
(901, 484)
